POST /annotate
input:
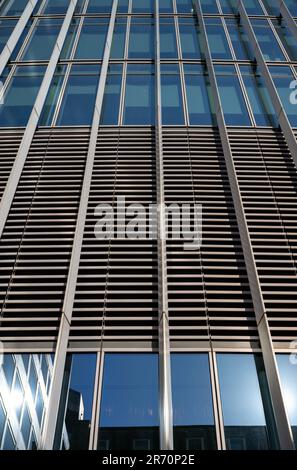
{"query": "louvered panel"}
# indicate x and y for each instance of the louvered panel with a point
(267, 178)
(9, 145)
(208, 288)
(118, 278)
(38, 236)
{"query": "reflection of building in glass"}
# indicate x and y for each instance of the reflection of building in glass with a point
(156, 346)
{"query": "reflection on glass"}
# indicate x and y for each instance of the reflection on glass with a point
(282, 77)
(259, 98)
(233, 104)
(184, 6)
(92, 39)
(217, 40)
(200, 107)
(129, 416)
(20, 95)
(112, 94)
(286, 37)
(229, 6)
(209, 6)
(79, 97)
(288, 375)
(42, 40)
(140, 95)
(165, 6)
(69, 41)
(292, 6)
(193, 420)
(23, 395)
(6, 28)
(272, 7)
(171, 94)
(243, 412)
(13, 7)
(50, 104)
(267, 41)
(141, 43)
(189, 38)
(75, 409)
(240, 41)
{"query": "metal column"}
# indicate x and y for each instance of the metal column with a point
(277, 104)
(283, 426)
(16, 34)
(62, 344)
(23, 150)
(165, 393)
(285, 13)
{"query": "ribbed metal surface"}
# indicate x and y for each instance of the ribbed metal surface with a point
(9, 144)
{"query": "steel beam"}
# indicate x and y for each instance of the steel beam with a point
(285, 13)
(64, 330)
(165, 392)
(26, 141)
(16, 34)
(277, 104)
(281, 418)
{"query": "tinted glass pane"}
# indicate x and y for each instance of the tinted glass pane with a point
(8, 443)
(129, 414)
(118, 40)
(142, 6)
(26, 425)
(13, 7)
(272, 7)
(267, 41)
(6, 28)
(2, 419)
(112, 94)
(139, 98)
(184, 6)
(92, 40)
(42, 40)
(288, 375)
(229, 6)
(235, 111)
(188, 30)
(252, 7)
(287, 39)
(172, 102)
(141, 43)
(217, 42)
(122, 6)
(193, 419)
(52, 97)
(243, 412)
(20, 96)
(56, 7)
(99, 6)
(198, 95)
(282, 77)
(240, 41)
(168, 47)
(68, 44)
(209, 6)
(79, 97)
(292, 6)
(76, 401)
(165, 6)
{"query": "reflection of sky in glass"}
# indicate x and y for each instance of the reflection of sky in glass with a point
(191, 390)
(288, 375)
(240, 391)
(82, 379)
(130, 390)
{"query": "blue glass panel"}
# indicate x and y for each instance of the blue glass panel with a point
(184, 6)
(172, 102)
(143, 6)
(26, 425)
(92, 39)
(79, 98)
(99, 6)
(141, 43)
(193, 418)
(282, 77)
(288, 40)
(292, 6)
(68, 44)
(217, 40)
(165, 6)
(42, 40)
(272, 7)
(6, 28)
(129, 414)
(189, 37)
(8, 366)
(123, 6)
(112, 95)
(118, 40)
(267, 41)
(55, 7)
(168, 47)
(13, 7)
(20, 96)
(253, 7)
(259, 98)
(209, 6)
(2, 419)
(52, 97)
(235, 111)
(288, 375)
(198, 96)
(8, 443)
(21, 41)
(240, 41)
(243, 412)
(140, 97)
(229, 6)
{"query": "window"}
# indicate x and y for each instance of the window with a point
(292, 6)
(69, 41)
(26, 425)
(233, 104)
(20, 95)
(259, 98)
(240, 41)
(79, 97)
(168, 47)
(140, 95)
(287, 39)
(229, 6)
(189, 38)
(217, 40)
(252, 7)
(13, 7)
(118, 39)
(272, 7)
(165, 6)
(112, 95)
(8, 443)
(42, 40)
(193, 419)
(92, 39)
(184, 6)
(55, 7)
(171, 94)
(141, 43)
(129, 416)
(50, 104)
(267, 41)
(243, 411)
(6, 28)
(99, 6)
(198, 92)
(122, 6)
(288, 376)
(77, 401)
(282, 77)
(209, 6)
(142, 6)
(18, 396)
(8, 366)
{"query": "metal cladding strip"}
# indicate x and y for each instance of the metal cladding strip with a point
(285, 12)
(16, 34)
(23, 150)
(64, 330)
(282, 422)
(165, 400)
(280, 112)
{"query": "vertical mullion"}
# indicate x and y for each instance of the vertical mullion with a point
(285, 13)
(64, 330)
